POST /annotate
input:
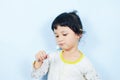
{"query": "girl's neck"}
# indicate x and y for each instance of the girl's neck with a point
(71, 55)
(71, 51)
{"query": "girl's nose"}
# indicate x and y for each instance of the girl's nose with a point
(60, 39)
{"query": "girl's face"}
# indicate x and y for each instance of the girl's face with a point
(66, 38)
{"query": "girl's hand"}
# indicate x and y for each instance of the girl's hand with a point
(40, 57)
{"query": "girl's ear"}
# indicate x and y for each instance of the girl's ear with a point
(79, 36)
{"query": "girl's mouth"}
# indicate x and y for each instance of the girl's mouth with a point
(61, 44)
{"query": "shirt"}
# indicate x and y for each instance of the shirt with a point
(60, 69)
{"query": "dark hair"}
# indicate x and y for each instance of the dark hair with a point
(70, 20)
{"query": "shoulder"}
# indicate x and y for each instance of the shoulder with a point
(54, 55)
(87, 65)
(86, 62)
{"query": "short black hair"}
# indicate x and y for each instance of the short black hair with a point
(71, 20)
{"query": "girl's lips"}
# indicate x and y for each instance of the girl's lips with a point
(61, 44)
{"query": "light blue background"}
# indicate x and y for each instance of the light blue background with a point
(25, 28)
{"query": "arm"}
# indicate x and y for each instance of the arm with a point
(41, 70)
(41, 65)
(90, 72)
(91, 75)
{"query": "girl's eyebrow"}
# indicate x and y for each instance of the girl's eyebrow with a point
(55, 33)
(61, 32)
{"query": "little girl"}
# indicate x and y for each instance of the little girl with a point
(69, 63)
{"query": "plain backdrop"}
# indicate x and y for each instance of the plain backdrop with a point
(25, 28)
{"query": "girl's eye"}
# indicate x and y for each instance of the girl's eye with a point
(56, 36)
(64, 34)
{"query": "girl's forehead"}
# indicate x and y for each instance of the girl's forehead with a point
(62, 29)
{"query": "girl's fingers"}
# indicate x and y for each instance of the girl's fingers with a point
(41, 55)
(44, 54)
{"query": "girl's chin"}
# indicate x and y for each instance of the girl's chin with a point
(62, 48)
